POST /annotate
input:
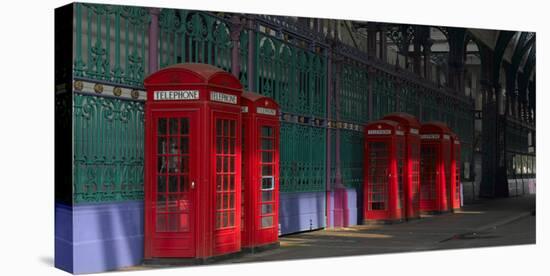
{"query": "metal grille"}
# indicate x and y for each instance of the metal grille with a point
(108, 149)
(110, 43)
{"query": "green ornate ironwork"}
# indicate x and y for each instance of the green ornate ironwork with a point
(110, 43)
(293, 76)
(108, 149)
(351, 158)
(302, 158)
(353, 96)
(192, 36)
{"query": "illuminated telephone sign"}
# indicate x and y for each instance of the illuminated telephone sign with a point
(192, 162)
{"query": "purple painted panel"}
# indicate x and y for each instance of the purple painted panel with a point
(104, 237)
(353, 213)
(63, 237)
(301, 211)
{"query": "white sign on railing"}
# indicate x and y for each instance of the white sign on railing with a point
(176, 95)
(414, 131)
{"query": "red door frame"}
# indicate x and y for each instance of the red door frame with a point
(258, 111)
(162, 244)
(263, 236)
(225, 240)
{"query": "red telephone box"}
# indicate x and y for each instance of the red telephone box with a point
(260, 183)
(455, 172)
(412, 162)
(192, 162)
(435, 167)
(384, 172)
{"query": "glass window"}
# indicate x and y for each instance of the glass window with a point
(225, 172)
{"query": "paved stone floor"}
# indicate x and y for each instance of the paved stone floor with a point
(494, 222)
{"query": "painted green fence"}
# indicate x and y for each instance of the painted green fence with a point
(108, 149)
(296, 78)
(110, 43)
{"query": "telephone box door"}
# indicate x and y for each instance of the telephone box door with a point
(268, 204)
(379, 175)
(173, 191)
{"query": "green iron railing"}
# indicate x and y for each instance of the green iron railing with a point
(110, 43)
(192, 36)
(108, 149)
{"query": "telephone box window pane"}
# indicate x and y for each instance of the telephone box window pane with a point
(184, 144)
(173, 164)
(161, 164)
(267, 222)
(219, 145)
(267, 170)
(219, 183)
(184, 184)
(219, 127)
(184, 126)
(161, 128)
(378, 174)
(161, 184)
(232, 128)
(267, 196)
(232, 182)
(232, 146)
(232, 164)
(173, 145)
(184, 164)
(267, 208)
(225, 163)
(267, 157)
(173, 126)
(225, 124)
(172, 184)
(161, 145)
(219, 203)
(267, 144)
(267, 131)
(225, 201)
(231, 200)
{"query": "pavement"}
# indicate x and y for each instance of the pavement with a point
(489, 222)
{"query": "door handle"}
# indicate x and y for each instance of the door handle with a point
(192, 184)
